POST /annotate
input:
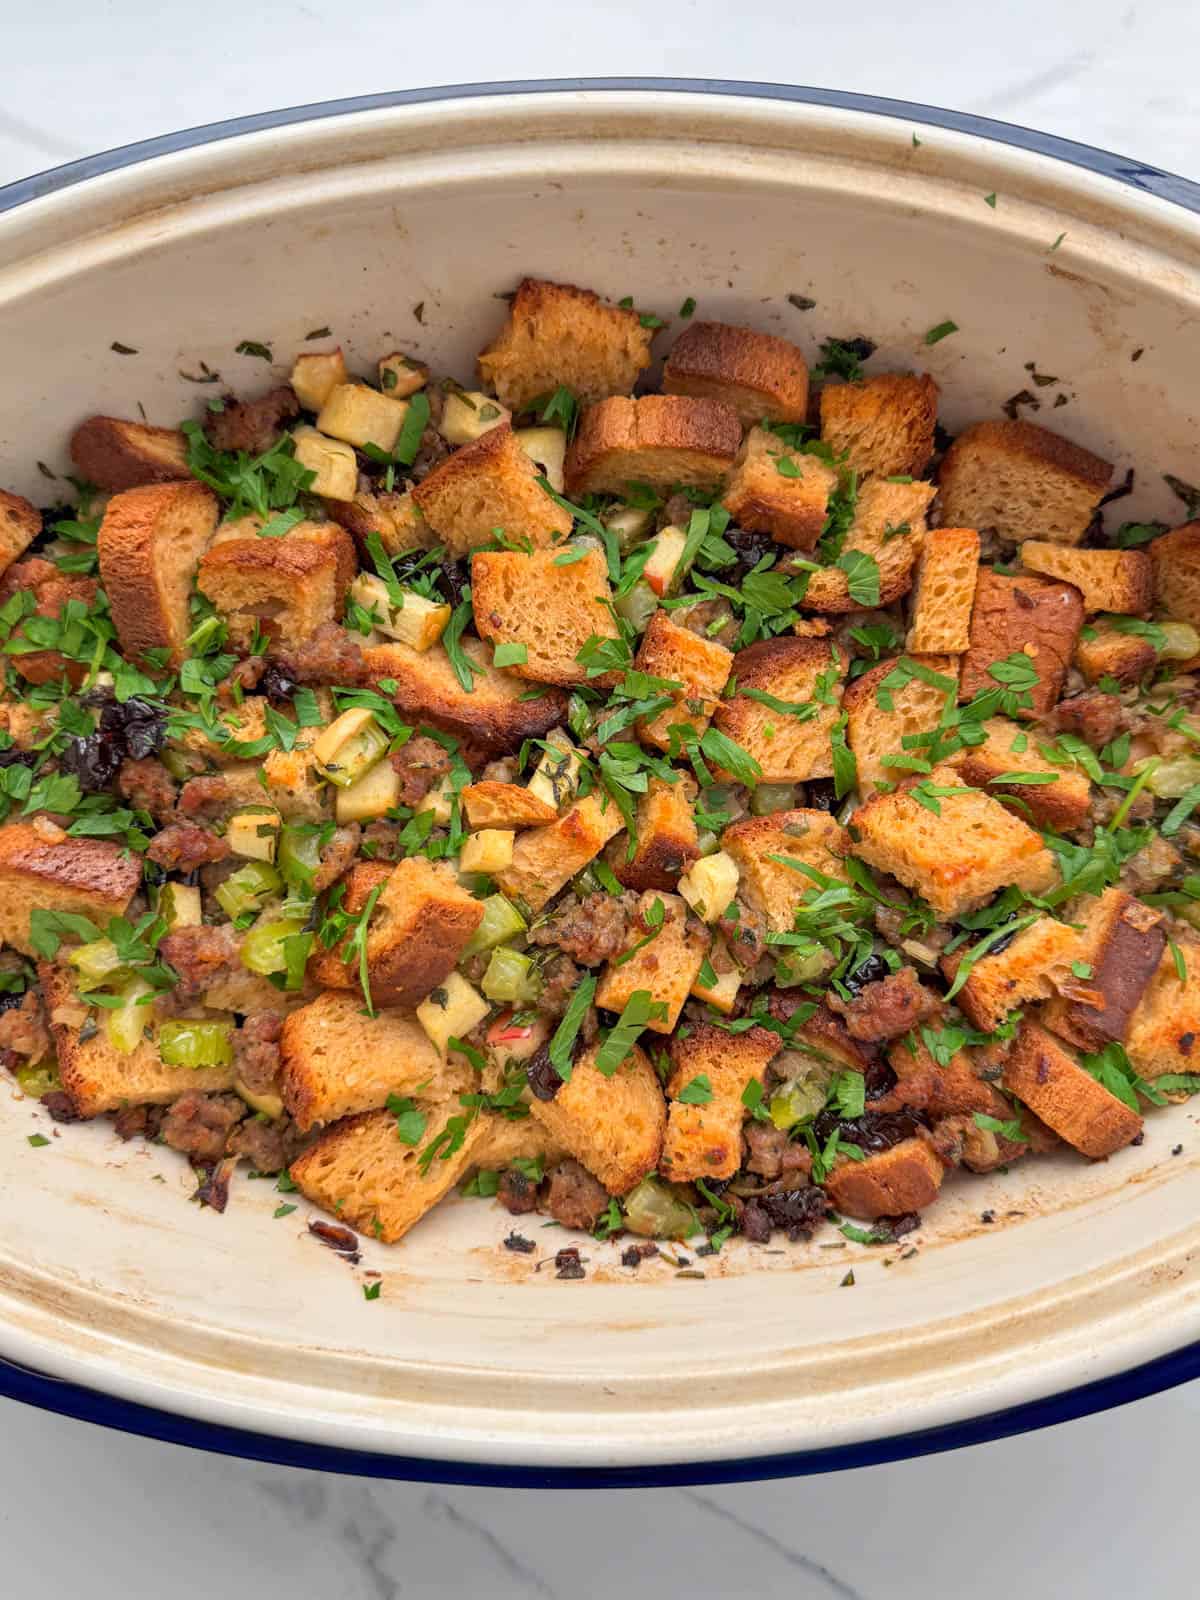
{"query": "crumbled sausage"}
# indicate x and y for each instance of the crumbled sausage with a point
(256, 1050)
(330, 656)
(422, 763)
(574, 1197)
(251, 425)
(518, 1193)
(209, 795)
(184, 846)
(591, 930)
(199, 956)
(23, 1028)
(887, 1008)
(148, 786)
(198, 1125)
(337, 856)
(1094, 716)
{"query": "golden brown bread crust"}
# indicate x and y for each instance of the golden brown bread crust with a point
(150, 544)
(396, 518)
(705, 1141)
(613, 1125)
(20, 524)
(891, 1184)
(944, 591)
(1102, 651)
(1108, 580)
(422, 920)
(1045, 1077)
(758, 374)
(545, 858)
(328, 968)
(1021, 481)
(955, 1089)
(789, 749)
(884, 424)
(505, 805)
(666, 967)
(115, 454)
(92, 878)
(551, 609)
(666, 837)
(889, 526)
(657, 439)
(1164, 1032)
(289, 586)
(769, 887)
(1032, 967)
(1061, 805)
(1123, 943)
(559, 334)
(1176, 560)
(789, 504)
(1034, 615)
(873, 732)
(702, 666)
(493, 716)
(488, 484)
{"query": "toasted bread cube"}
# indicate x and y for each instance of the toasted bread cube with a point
(1008, 754)
(1123, 944)
(546, 858)
(421, 922)
(710, 885)
(360, 415)
(700, 666)
(95, 1074)
(396, 518)
(774, 490)
(613, 1125)
(789, 747)
(361, 1172)
(958, 858)
(92, 878)
(893, 1183)
(488, 485)
(115, 454)
(1043, 1075)
(769, 887)
(1108, 580)
(26, 725)
(1040, 618)
(551, 609)
(722, 992)
(879, 719)
(944, 591)
(524, 1139)
(884, 425)
(1102, 651)
(328, 968)
(557, 335)
(667, 966)
(491, 715)
(758, 374)
(316, 374)
(20, 525)
(705, 1141)
(1176, 561)
(659, 439)
(150, 544)
(467, 416)
(1021, 482)
(490, 850)
(1033, 967)
(505, 805)
(287, 587)
(335, 1060)
(666, 837)
(1164, 1031)
(888, 526)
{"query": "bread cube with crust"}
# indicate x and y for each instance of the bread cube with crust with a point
(396, 518)
(1164, 1031)
(505, 805)
(660, 439)
(664, 949)
(1103, 651)
(1108, 580)
(1033, 967)
(700, 666)
(1045, 1076)
(557, 335)
(545, 859)
(20, 525)
(488, 485)
(149, 545)
(771, 489)
(1176, 561)
(1034, 616)
(95, 1074)
(957, 857)
(613, 1125)
(286, 587)
(1021, 482)
(666, 837)
(491, 714)
(789, 746)
(1007, 755)
(944, 591)
(422, 919)
(883, 425)
(92, 878)
(879, 719)
(336, 1060)
(1123, 944)
(329, 967)
(893, 1183)
(550, 606)
(758, 374)
(770, 887)
(888, 526)
(705, 1141)
(115, 454)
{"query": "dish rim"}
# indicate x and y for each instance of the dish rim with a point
(94, 1405)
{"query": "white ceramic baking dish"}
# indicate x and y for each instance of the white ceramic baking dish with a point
(893, 219)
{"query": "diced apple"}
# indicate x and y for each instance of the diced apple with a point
(451, 1011)
(710, 885)
(316, 376)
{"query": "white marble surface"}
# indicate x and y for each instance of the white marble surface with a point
(1095, 1507)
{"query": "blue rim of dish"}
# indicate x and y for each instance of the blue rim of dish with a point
(91, 1405)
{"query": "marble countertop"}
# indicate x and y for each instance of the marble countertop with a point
(1090, 1507)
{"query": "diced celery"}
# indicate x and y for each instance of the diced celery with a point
(349, 747)
(247, 888)
(1170, 779)
(97, 964)
(126, 1024)
(39, 1080)
(794, 967)
(654, 1210)
(796, 1102)
(1183, 641)
(299, 855)
(768, 797)
(501, 921)
(512, 977)
(263, 948)
(185, 1043)
(637, 606)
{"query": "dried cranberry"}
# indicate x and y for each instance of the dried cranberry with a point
(869, 970)
(12, 757)
(798, 1211)
(542, 1075)
(9, 1002)
(94, 760)
(756, 1224)
(453, 578)
(878, 1079)
(567, 1263)
(751, 548)
(136, 724)
(277, 684)
(873, 1131)
(820, 794)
